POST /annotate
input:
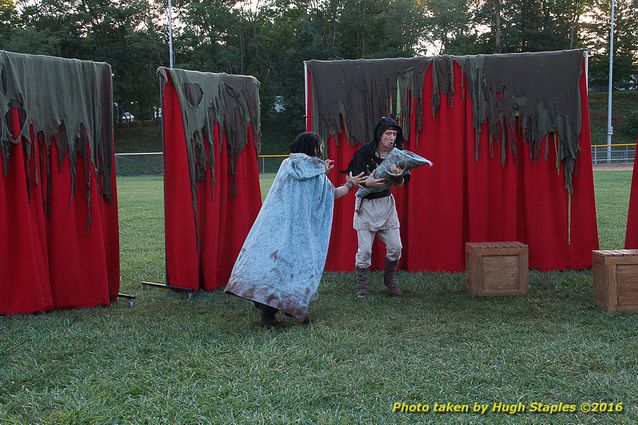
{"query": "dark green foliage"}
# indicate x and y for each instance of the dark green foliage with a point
(8, 21)
(625, 105)
(270, 39)
(124, 33)
(275, 139)
(596, 37)
(629, 126)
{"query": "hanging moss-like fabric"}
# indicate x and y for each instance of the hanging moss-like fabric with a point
(208, 99)
(509, 135)
(60, 244)
(211, 132)
(68, 99)
(537, 92)
(349, 96)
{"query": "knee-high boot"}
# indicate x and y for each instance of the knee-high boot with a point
(362, 282)
(390, 277)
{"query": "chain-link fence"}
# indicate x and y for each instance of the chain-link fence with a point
(152, 163)
(613, 154)
(269, 164)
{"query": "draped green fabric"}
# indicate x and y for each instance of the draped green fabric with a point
(349, 96)
(231, 101)
(66, 98)
(538, 92)
(206, 99)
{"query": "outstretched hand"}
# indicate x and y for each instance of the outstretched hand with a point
(330, 164)
(357, 180)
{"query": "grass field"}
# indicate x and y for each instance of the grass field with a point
(171, 360)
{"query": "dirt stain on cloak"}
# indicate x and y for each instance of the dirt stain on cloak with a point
(283, 256)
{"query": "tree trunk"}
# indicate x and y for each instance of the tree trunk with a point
(574, 24)
(362, 28)
(254, 25)
(498, 47)
(242, 48)
(334, 25)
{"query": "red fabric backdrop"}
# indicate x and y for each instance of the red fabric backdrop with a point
(224, 218)
(461, 200)
(49, 260)
(631, 237)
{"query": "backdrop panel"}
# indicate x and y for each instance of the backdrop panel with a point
(631, 235)
(211, 174)
(24, 265)
(510, 142)
(58, 219)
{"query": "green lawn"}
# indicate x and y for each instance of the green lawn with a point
(266, 181)
(171, 360)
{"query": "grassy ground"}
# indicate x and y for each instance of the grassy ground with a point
(612, 201)
(266, 181)
(170, 360)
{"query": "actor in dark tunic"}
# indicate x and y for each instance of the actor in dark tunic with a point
(376, 213)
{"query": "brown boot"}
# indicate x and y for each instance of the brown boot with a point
(362, 282)
(390, 277)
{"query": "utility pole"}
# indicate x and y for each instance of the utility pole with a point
(170, 33)
(610, 129)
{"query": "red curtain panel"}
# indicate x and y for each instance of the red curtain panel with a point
(202, 244)
(59, 236)
(24, 264)
(631, 236)
(78, 260)
(462, 199)
(50, 258)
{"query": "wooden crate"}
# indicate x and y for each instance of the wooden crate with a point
(496, 268)
(616, 279)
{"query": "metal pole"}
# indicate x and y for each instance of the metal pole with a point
(610, 129)
(305, 91)
(586, 55)
(170, 33)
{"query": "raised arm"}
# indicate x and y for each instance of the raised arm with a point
(351, 182)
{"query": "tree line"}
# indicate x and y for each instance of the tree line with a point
(270, 39)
